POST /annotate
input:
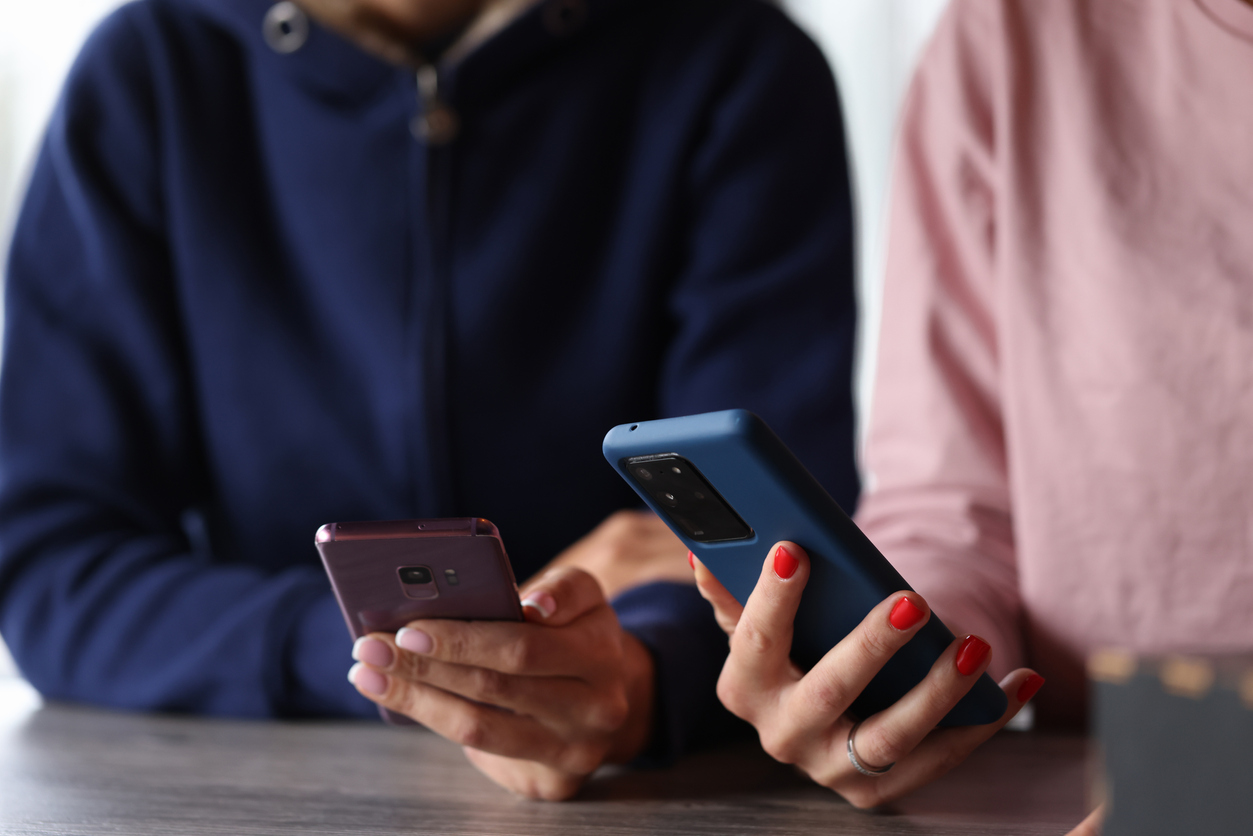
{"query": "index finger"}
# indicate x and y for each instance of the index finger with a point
(512, 647)
(560, 595)
(762, 641)
(727, 610)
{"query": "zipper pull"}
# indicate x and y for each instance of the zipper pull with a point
(437, 123)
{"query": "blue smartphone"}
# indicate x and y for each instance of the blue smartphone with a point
(730, 489)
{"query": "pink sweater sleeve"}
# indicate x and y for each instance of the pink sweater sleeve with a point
(938, 502)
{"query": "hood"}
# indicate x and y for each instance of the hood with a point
(334, 68)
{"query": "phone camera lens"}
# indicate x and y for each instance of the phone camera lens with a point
(415, 575)
(643, 473)
(670, 499)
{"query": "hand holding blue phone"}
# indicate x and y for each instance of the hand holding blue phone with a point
(804, 718)
(825, 635)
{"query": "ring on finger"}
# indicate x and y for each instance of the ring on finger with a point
(868, 771)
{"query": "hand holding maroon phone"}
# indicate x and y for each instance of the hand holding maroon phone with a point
(539, 693)
(387, 573)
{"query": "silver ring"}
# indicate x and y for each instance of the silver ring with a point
(852, 757)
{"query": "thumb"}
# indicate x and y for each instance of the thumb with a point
(560, 595)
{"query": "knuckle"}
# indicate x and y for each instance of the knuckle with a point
(492, 686)
(581, 584)
(952, 758)
(520, 655)
(748, 637)
(561, 581)
(553, 787)
(572, 583)
(452, 647)
(732, 696)
(582, 759)
(882, 747)
(610, 713)
(938, 701)
(875, 644)
(417, 667)
(469, 731)
(829, 693)
(942, 689)
(782, 747)
(865, 795)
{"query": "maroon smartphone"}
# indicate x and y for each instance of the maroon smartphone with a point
(387, 573)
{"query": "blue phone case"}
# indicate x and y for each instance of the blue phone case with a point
(743, 460)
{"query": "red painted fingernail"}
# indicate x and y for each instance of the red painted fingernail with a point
(905, 614)
(784, 563)
(691, 561)
(971, 655)
(1028, 688)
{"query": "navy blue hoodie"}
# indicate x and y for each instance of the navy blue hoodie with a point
(244, 300)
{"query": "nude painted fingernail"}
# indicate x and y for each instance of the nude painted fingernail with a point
(372, 652)
(971, 655)
(368, 679)
(905, 614)
(1028, 688)
(542, 603)
(784, 563)
(414, 641)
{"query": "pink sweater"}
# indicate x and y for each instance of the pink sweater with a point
(1061, 444)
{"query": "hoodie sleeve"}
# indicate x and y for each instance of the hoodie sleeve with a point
(103, 590)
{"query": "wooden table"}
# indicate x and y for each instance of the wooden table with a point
(75, 770)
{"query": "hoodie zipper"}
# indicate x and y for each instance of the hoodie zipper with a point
(435, 126)
(435, 123)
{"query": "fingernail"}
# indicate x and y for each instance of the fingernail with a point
(784, 564)
(372, 652)
(542, 603)
(1028, 688)
(414, 641)
(691, 561)
(905, 614)
(367, 679)
(971, 655)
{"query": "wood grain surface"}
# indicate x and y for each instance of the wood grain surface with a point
(74, 770)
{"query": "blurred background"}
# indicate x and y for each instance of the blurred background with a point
(872, 45)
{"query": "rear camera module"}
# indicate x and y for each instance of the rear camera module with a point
(686, 499)
(415, 575)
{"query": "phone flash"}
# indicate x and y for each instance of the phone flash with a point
(450, 575)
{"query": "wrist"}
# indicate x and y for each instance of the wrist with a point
(633, 736)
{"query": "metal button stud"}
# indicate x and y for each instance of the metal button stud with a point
(286, 28)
